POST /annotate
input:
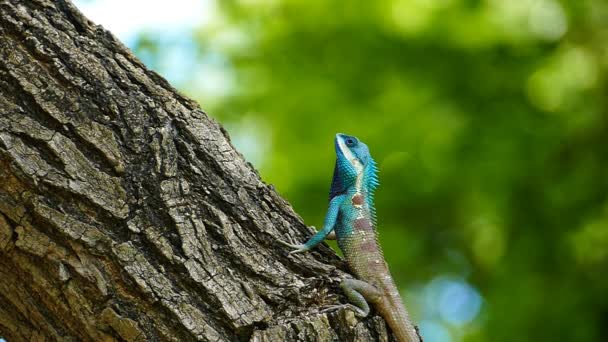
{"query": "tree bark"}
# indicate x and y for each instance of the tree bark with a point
(125, 212)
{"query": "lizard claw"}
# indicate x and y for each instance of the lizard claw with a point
(336, 307)
(298, 248)
(287, 244)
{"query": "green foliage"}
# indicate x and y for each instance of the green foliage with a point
(488, 119)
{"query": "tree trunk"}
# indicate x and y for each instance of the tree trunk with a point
(125, 212)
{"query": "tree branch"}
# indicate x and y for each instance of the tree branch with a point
(125, 212)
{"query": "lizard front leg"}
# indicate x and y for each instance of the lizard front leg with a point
(328, 226)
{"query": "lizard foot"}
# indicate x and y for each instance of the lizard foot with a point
(358, 312)
(298, 248)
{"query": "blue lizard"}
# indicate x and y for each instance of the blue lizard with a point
(351, 216)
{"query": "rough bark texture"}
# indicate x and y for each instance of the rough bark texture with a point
(125, 212)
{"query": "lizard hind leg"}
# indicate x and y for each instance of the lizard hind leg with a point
(360, 294)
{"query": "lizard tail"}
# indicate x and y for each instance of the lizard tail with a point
(397, 317)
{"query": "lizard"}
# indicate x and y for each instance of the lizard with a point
(351, 220)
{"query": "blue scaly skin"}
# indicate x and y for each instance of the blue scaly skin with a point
(351, 215)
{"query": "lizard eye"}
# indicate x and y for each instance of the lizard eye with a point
(350, 142)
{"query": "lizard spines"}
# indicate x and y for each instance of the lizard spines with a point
(371, 183)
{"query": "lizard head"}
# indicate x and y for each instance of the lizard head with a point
(352, 151)
(353, 161)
